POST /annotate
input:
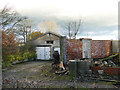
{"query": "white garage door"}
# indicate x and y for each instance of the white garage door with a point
(43, 53)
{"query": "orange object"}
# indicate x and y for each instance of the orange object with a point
(61, 65)
(6, 80)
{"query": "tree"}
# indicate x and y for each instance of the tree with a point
(34, 35)
(73, 28)
(13, 25)
(8, 44)
(47, 26)
(8, 19)
(24, 28)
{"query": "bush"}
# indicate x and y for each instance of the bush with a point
(32, 55)
(3, 64)
(8, 61)
(26, 54)
(6, 64)
(10, 58)
(19, 57)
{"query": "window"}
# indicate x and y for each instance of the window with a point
(49, 42)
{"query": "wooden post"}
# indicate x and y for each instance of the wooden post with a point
(63, 50)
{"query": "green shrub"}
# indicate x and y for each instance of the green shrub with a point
(26, 54)
(8, 61)
(22, 53)
(6, 64)
(10, 58)
(3, 64)
(19, 57)
(29, 54)
(32, 55)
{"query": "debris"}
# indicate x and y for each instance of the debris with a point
(6, 80)
(56, 57)
(95, 85)
(109, 57)
(67, 73)
(60, 69)
(100, 71)
(61, 65)
(60, 72)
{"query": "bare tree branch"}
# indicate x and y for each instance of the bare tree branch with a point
(73, 28)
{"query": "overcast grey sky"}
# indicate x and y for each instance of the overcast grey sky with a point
(100, 17)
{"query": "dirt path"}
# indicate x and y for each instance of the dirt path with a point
(39, 74)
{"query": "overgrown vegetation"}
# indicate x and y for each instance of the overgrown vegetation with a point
(11, 52)
(18, 57)
(33, 35)
(12, 25)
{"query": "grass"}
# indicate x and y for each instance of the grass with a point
(6, 65)
(105, 83)
(32, 77)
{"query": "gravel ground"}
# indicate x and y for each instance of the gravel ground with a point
(33, 75)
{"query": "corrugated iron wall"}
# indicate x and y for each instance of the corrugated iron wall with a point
(99, 49)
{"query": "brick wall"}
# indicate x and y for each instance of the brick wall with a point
(99, 49)
(74, 49)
